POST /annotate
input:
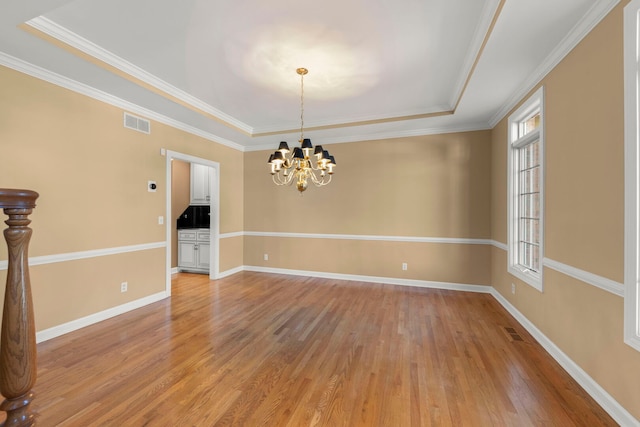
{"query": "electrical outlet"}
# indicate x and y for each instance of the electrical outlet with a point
(404, 266)
(160, 220)
(513, 288)
(124, 286)
(266, 257)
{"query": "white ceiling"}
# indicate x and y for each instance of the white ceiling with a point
(226, 69)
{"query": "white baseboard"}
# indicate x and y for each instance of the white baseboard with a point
(600, 395)
(174, 270)
(74, 325)
(604, 399)
(374, 279)
(228, 273)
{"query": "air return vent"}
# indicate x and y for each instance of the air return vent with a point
(137, 123)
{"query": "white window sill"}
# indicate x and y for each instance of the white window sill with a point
(534, 279)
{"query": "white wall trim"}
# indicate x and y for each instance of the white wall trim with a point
(285, 127)
(83, 89)
(373, 279)
(454, 240)
(73, 256)
(74, 325)
(604, 399)
(474, 51)
(232, 234)
(214, 227)
(516, 142)
(500, 245)
(327, 140)
(603, 283)
(72, 39)
(631, 33)
(230, 272)
(86, 90)
(598, 11)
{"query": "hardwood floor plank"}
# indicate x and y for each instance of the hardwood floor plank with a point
(273, 350)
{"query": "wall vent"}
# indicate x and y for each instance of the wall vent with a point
(137, 123)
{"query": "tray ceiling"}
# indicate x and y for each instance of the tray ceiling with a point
(377, 69)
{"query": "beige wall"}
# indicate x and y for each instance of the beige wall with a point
(429, 186)
(583, 213)
(92, 176)
(92, 173)
(231, 253)
(448, 263)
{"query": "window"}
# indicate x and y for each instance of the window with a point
(525, 182)
(631, 173)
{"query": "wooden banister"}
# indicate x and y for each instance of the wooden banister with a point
(18, 350)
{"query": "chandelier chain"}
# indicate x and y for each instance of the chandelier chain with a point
(301, 106)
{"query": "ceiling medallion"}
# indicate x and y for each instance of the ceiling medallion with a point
(300, 165)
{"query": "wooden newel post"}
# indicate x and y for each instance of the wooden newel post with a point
(18, 340)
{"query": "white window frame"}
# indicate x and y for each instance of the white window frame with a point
(534, 104)
(632, 174)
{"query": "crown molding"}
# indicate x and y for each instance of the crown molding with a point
(596, 13)
(83, 89)
(78, 42)
(41, 25)
(489, 16)
(436, 111)
(383, 135)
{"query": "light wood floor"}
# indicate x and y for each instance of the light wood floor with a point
(270, 350)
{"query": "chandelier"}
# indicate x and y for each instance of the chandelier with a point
(301, 165)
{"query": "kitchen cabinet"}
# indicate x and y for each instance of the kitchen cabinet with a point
(200, 184)
(194, 250)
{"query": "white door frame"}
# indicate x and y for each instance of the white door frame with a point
(214, 236)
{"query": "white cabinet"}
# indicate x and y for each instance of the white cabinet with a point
(194, 250)
(203, 256)
(200, 184)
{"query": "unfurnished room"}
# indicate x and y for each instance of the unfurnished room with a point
(337, 213)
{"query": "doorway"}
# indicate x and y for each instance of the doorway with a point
(214, 235)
